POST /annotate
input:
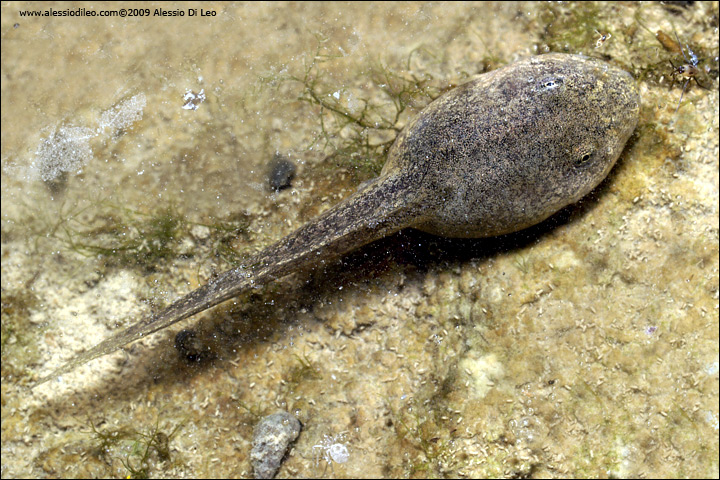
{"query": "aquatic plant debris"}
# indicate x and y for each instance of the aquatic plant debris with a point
(332, 448)
(124, 114)
(193, 100)
(67, 149)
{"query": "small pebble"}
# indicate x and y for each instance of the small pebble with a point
(189, 346)
(200, 232)
(271, 439)
(281, 172)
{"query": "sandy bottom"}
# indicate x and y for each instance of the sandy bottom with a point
(587, 346)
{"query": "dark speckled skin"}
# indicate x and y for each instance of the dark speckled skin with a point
(507, 148)
(493, 156)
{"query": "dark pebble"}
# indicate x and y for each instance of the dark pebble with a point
(281, 172)
(189, 346)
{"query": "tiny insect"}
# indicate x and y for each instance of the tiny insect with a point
(332, 449)
(604, 37)
(688, 70)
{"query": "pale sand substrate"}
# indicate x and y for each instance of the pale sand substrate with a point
(585, 348)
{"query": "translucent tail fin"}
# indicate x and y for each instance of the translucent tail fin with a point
(379, 208)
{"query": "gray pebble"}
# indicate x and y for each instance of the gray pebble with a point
(271, 439)
(281, 172)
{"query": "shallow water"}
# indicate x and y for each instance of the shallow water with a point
(586, 346)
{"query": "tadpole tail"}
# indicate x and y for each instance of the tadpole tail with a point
(379, 208)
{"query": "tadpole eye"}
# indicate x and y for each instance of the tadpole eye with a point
(583, 159)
